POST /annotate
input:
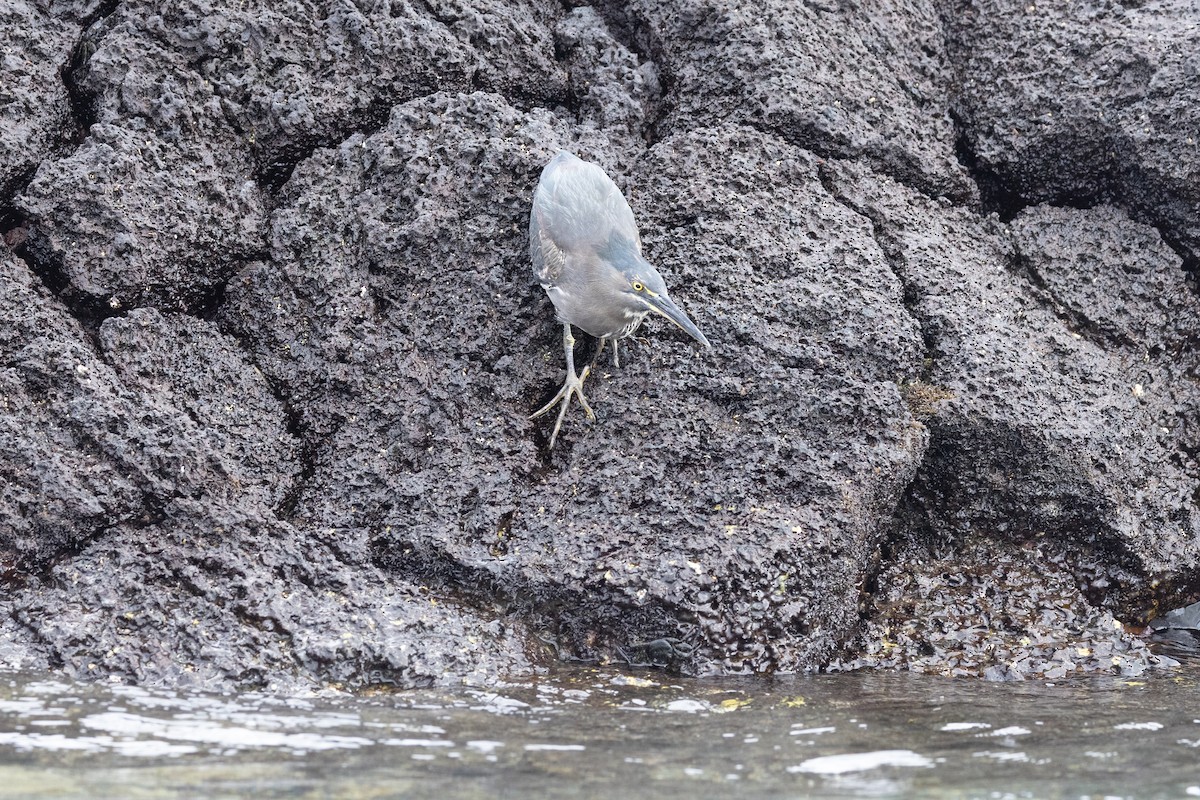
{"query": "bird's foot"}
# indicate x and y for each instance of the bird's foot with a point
(573, 385)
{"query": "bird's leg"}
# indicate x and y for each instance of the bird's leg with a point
(599, 350)
(573, 385)
(616, 355)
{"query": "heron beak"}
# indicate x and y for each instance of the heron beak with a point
(664, 305)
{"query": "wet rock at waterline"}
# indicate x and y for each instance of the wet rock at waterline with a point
(271, 341)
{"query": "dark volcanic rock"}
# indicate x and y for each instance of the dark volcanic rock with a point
(35, 107)
(144, 474)
(848, 80)
(130, 219)
(1177, 632)
(613, 92)
(210, 596)
(668, 508)
(1044, 430)
(286, 77)
(102, 436)
(58, 488)
(270, 340)
(1084, 102)
(195, 105)
(239, 423)
(1123, 289)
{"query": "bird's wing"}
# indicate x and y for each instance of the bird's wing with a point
(548, 257)
(577, 211)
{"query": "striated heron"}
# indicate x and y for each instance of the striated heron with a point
(587, 255)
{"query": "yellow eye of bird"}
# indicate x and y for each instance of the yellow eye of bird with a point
(638, 286)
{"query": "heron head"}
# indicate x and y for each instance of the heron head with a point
(645, 289)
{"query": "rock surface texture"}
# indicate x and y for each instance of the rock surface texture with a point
(270, 339)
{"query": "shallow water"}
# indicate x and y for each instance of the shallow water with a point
(591, 733)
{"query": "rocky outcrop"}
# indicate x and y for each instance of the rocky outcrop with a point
(270, 341)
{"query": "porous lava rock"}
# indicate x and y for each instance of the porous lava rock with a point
(1075, 105)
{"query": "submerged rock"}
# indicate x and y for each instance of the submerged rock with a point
(1177, 632)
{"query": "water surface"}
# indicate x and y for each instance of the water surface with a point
(588, 733)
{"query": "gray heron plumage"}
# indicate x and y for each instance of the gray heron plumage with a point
(587, 255)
